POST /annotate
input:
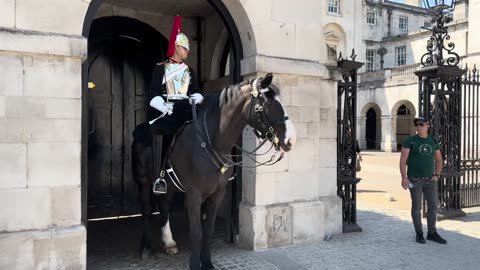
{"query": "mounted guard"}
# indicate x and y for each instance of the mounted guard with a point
(173, 88)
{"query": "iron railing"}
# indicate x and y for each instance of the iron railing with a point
(470, 157)
(346, 143)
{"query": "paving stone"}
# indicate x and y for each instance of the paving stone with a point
(387, 242)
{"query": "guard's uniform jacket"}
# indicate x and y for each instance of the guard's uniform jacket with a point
(172, 80)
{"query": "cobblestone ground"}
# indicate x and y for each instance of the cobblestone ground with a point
(387, 242)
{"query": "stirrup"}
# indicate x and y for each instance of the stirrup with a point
(160, 186)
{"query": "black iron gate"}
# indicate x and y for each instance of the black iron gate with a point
(440, 101)
(470, 158)
(346, 143)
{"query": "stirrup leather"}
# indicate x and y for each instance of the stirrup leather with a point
(160, 185)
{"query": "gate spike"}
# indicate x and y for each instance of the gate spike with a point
(475, 75)
(467, 73)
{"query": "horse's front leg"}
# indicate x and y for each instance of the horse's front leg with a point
(210, 213)
(194, 203)
(170, 247)
(147, 211)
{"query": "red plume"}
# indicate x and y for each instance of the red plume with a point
(176, 28)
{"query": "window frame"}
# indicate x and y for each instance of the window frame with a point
(398, 54)
(427, 24)
(337, 7)
(374, 17)
(370, 64)
(400, 18)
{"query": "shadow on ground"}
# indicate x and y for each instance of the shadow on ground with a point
(387, 242)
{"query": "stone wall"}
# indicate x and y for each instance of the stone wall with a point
(295, 201)
(41, 54)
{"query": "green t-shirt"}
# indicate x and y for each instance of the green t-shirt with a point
(421, 160)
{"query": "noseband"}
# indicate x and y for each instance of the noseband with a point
(267, 131)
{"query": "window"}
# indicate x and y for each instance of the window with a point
(401, 55)
(403, 110)
(371, 17)
(334, 6)
(427, 24)
(370, 59)
(403, 23)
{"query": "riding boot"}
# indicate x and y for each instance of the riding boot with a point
(159, 185)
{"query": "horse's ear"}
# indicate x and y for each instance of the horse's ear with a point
(266, 81)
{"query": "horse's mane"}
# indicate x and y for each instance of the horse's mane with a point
(218, 99)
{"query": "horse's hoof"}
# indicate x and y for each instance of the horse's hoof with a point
(146, 253)
(171, 250)
(207, 266)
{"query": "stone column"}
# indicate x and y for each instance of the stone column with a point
(361, 131)
(294, 201)
(389, 140)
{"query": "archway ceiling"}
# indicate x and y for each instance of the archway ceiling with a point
(185, 8)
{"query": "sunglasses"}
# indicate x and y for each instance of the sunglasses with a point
(421, 124)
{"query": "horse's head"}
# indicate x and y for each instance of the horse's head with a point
(267, 116)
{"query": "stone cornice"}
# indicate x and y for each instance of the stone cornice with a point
(408, 36)
(35, 42)
(397, 6)
(266, 63)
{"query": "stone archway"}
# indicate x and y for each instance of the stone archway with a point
(371, 123)
(403, 113)
(193, 24)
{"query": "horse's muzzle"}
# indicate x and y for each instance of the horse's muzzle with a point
(290, 142)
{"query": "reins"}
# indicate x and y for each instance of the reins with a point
(223, 162)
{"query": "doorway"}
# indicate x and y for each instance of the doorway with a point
(404, 124)
(371, 129)
(122, 53)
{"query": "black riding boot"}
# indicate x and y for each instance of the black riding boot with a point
(159, 184)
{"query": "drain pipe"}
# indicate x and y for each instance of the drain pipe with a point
(389, 24)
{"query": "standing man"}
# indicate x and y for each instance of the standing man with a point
(420, 167)
(173, 88)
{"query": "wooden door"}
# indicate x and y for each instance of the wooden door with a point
(120, 69)
(105, 143)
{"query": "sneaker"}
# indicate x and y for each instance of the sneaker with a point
(420, 238)
(436, 238)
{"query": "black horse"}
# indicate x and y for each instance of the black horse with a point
(200, 158)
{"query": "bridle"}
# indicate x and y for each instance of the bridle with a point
(267, 127)
(268, 133)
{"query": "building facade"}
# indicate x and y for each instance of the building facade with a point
(51, 146)
(64, 145)
(393, 43)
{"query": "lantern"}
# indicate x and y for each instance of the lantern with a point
(439, 5)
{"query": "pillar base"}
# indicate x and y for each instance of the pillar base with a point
(277, 225)
(59, 248)
(450, 213)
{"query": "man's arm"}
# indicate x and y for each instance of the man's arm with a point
(438, 165)
(156, 85)
(194, 86)
(403, 166)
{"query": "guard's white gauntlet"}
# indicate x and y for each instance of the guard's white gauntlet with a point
(196, 97)
(159, 104)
